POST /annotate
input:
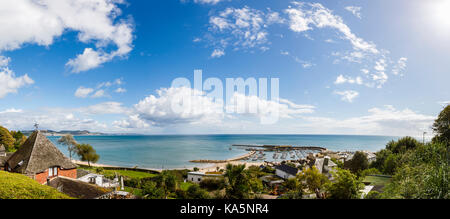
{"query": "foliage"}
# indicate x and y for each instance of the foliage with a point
(195, 192)
(241, 183)
(339, 163)
(380, 160)
(358, 163)
(424, 175)
(212, 184)
(345, 186)
(18, 186)
(167, 181)
(87, 153)
(441, 126)
(371, 171)
(19, 139)
(6, 139)
(372, 195)
(297, 194)
(268, 169)
(314, 180)
(402, 145)
(70, 143)
(151, 190)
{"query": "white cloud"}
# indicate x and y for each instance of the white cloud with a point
(400, 66)
(210, 2)
(380, 121)
(217, 53)
(247, 26)
(305, 16)
(83, 92)
(104, 108)
(4, 61)
(347, 96)
(12, 110)
(99, 94)
(341, 79)
(178, 105)
(9, 83)
(354, 10)
(40, 22)
(120, 90)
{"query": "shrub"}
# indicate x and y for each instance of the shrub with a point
(212, 184)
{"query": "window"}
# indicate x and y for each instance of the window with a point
(53, 171)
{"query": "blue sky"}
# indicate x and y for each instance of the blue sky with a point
(345, 67)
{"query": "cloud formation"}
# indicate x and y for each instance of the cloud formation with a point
(40, 22)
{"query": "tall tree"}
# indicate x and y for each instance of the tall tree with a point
(6, 139)
(358, 163)
(238, 182)
(441, 126)
(70, 143)
(87, 153)
(168, 182)
(315, 181)
(345, 186)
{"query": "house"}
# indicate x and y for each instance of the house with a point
(285, 171)
(100, 180)
(4, 156)
(197, 177)
(41, 160)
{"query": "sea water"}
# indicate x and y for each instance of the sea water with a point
(175, 151)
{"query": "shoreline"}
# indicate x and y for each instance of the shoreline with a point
(208, 167)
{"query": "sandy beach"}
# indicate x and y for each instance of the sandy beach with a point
(206, 167)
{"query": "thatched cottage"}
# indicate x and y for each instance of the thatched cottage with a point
(3, 156)
(39, 159)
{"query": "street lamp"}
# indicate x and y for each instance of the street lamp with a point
(423, 137)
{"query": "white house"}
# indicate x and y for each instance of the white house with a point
(99, 180)
(197, 177)
(285, 171)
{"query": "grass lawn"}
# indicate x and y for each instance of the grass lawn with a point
(124, 173)
(18, 186)
(377, 180)
(185, 185)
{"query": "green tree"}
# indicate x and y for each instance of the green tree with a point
(195, 192)
(238, 182)
(314, 180)
(70, 143)
(6, 139)
(168, 182)
(441, 126)
(87, 153)
(381, 157)
(19, 138)
(358, 163)
(402, 145)
(150, 190)
(345, 186)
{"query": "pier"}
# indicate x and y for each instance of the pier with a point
(281, 147)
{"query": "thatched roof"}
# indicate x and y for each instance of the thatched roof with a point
(77, 189)
(38, 154)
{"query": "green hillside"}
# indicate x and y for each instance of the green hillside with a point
(17, 186)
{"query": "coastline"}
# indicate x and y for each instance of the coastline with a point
(213, 166)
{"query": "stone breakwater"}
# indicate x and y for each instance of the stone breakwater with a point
(225, 161)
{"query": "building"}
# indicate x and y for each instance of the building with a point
(100, 180)
(285, 171)
(3, 157)
(197, 177)
(39, 159)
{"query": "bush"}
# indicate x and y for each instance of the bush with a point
(358, 163)
(195, 192)
(212, 184)
(372, 195)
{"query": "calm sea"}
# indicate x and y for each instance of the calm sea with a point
(162, 152)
